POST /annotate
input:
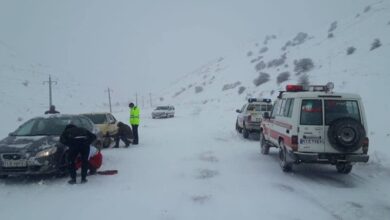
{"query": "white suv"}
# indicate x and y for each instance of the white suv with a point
(164, 112)
(316, 125)
(251, 114)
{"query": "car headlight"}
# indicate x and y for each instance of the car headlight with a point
(46, 152)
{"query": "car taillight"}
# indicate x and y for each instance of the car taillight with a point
(294, 142)
(366, 142)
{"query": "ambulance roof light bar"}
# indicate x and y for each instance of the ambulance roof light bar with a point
(314, 88)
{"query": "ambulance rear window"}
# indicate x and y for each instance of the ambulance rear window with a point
(311, 112)
(335, 109)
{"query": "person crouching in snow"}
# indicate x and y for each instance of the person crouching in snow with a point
(124, 133)
(95, 160)
(78, 140)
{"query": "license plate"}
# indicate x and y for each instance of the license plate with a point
(15, 163)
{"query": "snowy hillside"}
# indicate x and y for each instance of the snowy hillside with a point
(352, 52)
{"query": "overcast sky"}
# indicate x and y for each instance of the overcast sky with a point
(143, 45)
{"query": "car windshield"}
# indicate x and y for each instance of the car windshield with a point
(162, 108)
(259, 107)
(43, 126)
(97, 118)
(335, 109)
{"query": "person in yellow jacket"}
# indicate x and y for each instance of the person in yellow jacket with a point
(134, 121)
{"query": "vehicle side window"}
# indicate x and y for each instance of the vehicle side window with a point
(86, 124)
(243, 108)
(311, 112)
(275, 109)
(111, 118)
(282, 106)
(287, 108)
(287, 112)
(290, 111)
(77, 122)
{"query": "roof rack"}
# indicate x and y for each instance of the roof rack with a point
(250, 100)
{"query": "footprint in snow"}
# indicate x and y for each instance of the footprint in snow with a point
(200, 199)
(356, 205)
(206, 174)
(284, 187)
(208, 157)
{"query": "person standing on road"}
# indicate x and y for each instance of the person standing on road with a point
(78, 140)
(134, 121)
(124, 133)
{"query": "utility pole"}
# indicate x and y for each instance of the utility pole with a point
(143, 101)
(50, 82)
(150, 98)
(136, 99)
(109, 97)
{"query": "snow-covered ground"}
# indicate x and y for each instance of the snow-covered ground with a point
(195, 166)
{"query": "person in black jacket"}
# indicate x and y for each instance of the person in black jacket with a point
(78, 140)
(124, 133)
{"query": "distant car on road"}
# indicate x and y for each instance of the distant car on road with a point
(34, 147)
(164, 112)
(250, 115)
(107, 124)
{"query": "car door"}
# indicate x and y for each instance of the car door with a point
(311, 136)
(337, 109)
(112, 124)
(241, 116)
(268, 125)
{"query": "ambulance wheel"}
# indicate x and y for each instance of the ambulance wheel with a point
(286, 166)
(264, 147)
(344, 168)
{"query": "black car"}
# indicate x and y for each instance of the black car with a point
(34, 147)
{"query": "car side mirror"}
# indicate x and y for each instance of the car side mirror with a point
(266, 115)
(238, 111)
(11, 134)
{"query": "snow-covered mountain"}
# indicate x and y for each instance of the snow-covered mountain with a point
(352, 52)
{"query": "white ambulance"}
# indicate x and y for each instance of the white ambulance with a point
(316, 125)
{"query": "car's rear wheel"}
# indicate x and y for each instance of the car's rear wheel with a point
(106, 142)
(245, 132)
(344, 168)
(238, 127)
(286, 166)
(264, 147)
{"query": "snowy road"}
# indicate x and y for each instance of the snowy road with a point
(190, 168)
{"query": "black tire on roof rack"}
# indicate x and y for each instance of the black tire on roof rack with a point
(346, 134)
